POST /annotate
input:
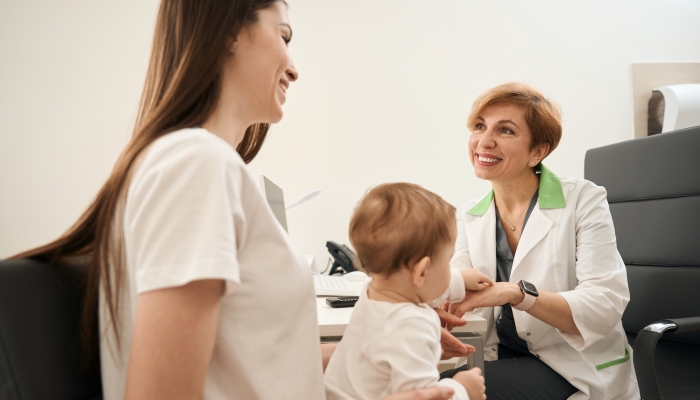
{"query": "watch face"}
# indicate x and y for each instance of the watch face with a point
(528, 288)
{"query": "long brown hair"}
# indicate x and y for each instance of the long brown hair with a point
(183, 84)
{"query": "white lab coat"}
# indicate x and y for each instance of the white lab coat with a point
(568, 247)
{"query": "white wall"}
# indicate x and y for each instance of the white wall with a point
(71, 74)
(384, 89)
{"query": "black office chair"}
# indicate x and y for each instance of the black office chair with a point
(40, 357)
(653, 187)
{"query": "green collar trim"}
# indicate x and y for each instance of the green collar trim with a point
(551, 193)
(481, 207)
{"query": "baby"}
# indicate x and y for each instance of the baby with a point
(404, 237)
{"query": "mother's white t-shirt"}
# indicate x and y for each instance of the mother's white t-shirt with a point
(193, 211)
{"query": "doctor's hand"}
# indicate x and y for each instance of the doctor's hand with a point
(451, 346)
(431, 393)
(447, 319)
(497, 295)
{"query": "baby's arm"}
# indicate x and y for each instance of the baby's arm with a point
(475, 279)
(473, 381)
(460, 281)
(411, 350)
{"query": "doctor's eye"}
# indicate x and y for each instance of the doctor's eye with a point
(479, 127)
(507, 131)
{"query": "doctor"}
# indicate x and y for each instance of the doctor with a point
(554, 315)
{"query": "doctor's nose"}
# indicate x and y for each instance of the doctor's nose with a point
(487, 140)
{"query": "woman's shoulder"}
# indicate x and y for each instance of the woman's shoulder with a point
(188, 154)
(579, 187)
(193, 142)
(582, 196)
(192, 150)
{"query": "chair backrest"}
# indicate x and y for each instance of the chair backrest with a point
(653, 187)
(40, 355)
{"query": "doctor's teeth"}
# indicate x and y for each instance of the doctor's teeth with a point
(488, 159)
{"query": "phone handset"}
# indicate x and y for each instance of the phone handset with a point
(343, 258)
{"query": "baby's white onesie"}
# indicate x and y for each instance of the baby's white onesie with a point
(388, 348)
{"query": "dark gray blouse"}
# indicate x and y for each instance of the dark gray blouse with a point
(505, 325)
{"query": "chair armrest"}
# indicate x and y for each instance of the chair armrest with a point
(645, 345)
(691, 324)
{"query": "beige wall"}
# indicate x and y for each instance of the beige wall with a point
(384, 90)
(648, 76)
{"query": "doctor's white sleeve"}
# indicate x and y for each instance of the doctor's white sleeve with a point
(602, 293)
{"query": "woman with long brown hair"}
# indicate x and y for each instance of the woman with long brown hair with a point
(198, 291)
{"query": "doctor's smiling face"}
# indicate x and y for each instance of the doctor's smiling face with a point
(500, 144)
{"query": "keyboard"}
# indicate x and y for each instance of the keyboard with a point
(326, 285)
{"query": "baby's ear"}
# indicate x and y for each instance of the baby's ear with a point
(418, 271)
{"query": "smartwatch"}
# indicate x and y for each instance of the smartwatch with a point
(530, 292)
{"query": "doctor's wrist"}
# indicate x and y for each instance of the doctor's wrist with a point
(516, 295)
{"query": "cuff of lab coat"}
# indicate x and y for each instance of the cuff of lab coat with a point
(460, 391)
(576, 341)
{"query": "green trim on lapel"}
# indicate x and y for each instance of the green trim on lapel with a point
(481, 207)
(551, 193)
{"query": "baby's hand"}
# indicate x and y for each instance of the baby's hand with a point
(473, 381)
(475, 279)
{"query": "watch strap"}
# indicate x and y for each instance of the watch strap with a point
(526, 304)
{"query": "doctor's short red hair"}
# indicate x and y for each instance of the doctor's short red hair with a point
(397, 224)
(542, 115)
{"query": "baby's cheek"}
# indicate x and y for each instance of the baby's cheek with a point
(446, 279)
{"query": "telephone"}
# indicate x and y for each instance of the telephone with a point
(343, 258)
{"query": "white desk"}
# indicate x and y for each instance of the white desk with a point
(333, 321)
